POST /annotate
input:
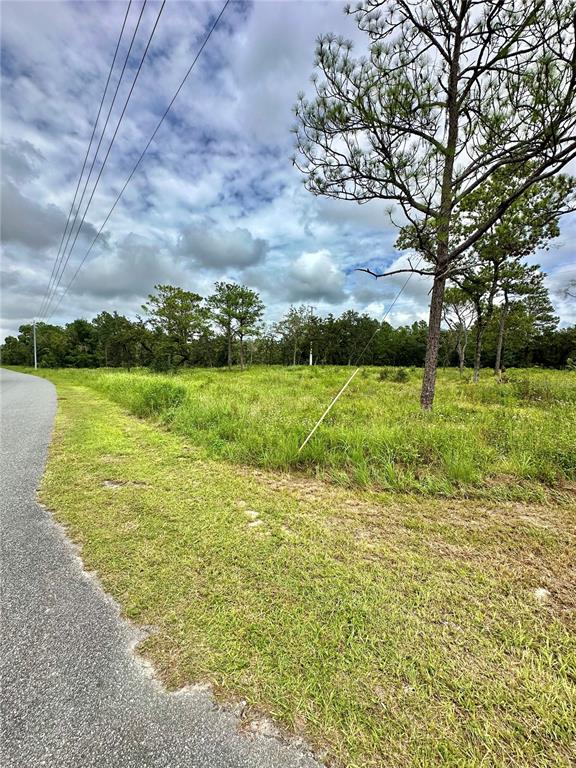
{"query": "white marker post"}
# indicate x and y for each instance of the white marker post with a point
(35, 353)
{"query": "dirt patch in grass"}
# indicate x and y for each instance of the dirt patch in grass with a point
(123, 484)
(388, 629)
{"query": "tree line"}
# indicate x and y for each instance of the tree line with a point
(181, 329)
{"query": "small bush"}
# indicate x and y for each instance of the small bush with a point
(157, 397)
(401, 376)
(161, 365)
(142, 395)
(384, 374)
(534, 391)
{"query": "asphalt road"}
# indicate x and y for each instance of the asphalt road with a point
(73, 694)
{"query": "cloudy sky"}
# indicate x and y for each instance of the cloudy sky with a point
(217, 196)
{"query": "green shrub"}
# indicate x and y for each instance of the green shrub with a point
(143, 395)
(401, 376)
(158, 396)
(543, 391)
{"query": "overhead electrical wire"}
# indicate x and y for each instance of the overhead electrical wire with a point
(134, 169)
(118, 124)
(65, 258)
(56, 260)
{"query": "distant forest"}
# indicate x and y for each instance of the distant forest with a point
(179, 329)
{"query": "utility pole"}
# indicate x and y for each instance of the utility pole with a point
(311, 362)
(35, 352)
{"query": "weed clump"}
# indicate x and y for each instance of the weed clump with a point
(143, 395)
(401, 376)
(541, 391)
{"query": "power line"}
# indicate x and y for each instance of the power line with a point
(150, 140)
(63, 268)
(56, 260)
(65, 259)
(119, 122)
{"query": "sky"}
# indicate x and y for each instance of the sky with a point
(217, 196)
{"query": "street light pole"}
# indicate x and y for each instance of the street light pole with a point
(35, 351)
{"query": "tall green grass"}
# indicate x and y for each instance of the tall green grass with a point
(507, 440)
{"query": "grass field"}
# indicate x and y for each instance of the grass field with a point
(389, 629)
(508, 441)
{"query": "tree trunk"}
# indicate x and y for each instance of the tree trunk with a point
(229, 333)
(464, 345)
(500, 342)
(461, 350)
(443, 234)
(241, 352)
(478, 351)
(482, 321)
(126, 357)
(433, 345)
(294, 354)
(446, 359)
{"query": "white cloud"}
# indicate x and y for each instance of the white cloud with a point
(216, 249)
(129, 271)
(315, 276)
(27, 222)
(562, 286)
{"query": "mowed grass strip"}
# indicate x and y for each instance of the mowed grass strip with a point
(502, 441)
(390, 630)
